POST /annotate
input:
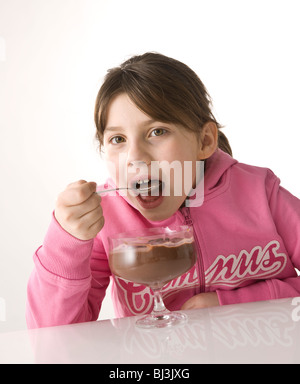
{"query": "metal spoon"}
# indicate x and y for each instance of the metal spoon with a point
(118, 189)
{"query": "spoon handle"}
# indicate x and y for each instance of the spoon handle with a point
(110, 190)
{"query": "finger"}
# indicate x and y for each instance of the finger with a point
(91, 223)
(97, 225)
(73, 213)
(77, 193)
(76, 183)
(189, 304)
(91, 205)
(92, 231)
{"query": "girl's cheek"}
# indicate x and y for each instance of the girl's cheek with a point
(117, 168)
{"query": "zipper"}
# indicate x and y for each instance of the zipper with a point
(199, 263)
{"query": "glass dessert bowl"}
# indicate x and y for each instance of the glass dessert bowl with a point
(153, 257)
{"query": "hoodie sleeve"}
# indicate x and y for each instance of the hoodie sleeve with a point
(68, 282)
(285, 210)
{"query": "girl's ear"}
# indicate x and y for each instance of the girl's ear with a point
(208, 140)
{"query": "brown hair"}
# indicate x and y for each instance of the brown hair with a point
(163, 88)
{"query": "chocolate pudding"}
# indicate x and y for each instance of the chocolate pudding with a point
(154, 263)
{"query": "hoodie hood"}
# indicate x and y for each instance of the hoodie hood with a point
(215, 181)
(216, 168)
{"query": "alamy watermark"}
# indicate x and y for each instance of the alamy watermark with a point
(2, 309)
(175, 178)
(296, 310)
(2, 49)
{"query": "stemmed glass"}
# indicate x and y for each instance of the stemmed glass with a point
(153, 257)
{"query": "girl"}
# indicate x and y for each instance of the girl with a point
(155, 109)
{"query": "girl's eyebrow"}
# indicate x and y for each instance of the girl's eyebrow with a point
(112, 129)
(144, 123)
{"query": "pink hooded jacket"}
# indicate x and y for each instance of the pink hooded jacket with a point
(247, 234)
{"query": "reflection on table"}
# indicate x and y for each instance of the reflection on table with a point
(261, 332)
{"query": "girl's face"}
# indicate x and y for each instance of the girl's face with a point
(138, 148)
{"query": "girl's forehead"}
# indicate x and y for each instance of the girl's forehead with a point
(122, 109)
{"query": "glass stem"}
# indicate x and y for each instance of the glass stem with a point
(159, 305)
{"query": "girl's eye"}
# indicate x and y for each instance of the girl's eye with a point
(117, 140)
(158, 132)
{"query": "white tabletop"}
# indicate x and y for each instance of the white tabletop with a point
(261, 332)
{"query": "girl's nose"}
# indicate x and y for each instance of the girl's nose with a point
(137, 153)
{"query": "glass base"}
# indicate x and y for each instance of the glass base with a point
(161, 320)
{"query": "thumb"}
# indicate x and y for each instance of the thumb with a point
(93, 186)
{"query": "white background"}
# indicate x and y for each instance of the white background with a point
(53, 56)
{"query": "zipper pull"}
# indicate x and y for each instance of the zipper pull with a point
(188, 220)
(187, 216)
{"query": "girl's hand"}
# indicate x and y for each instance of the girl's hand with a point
(202, 300)
(78, 210)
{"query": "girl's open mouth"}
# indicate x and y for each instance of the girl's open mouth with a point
(149, 193)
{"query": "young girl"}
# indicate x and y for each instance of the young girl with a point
(153, 109)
